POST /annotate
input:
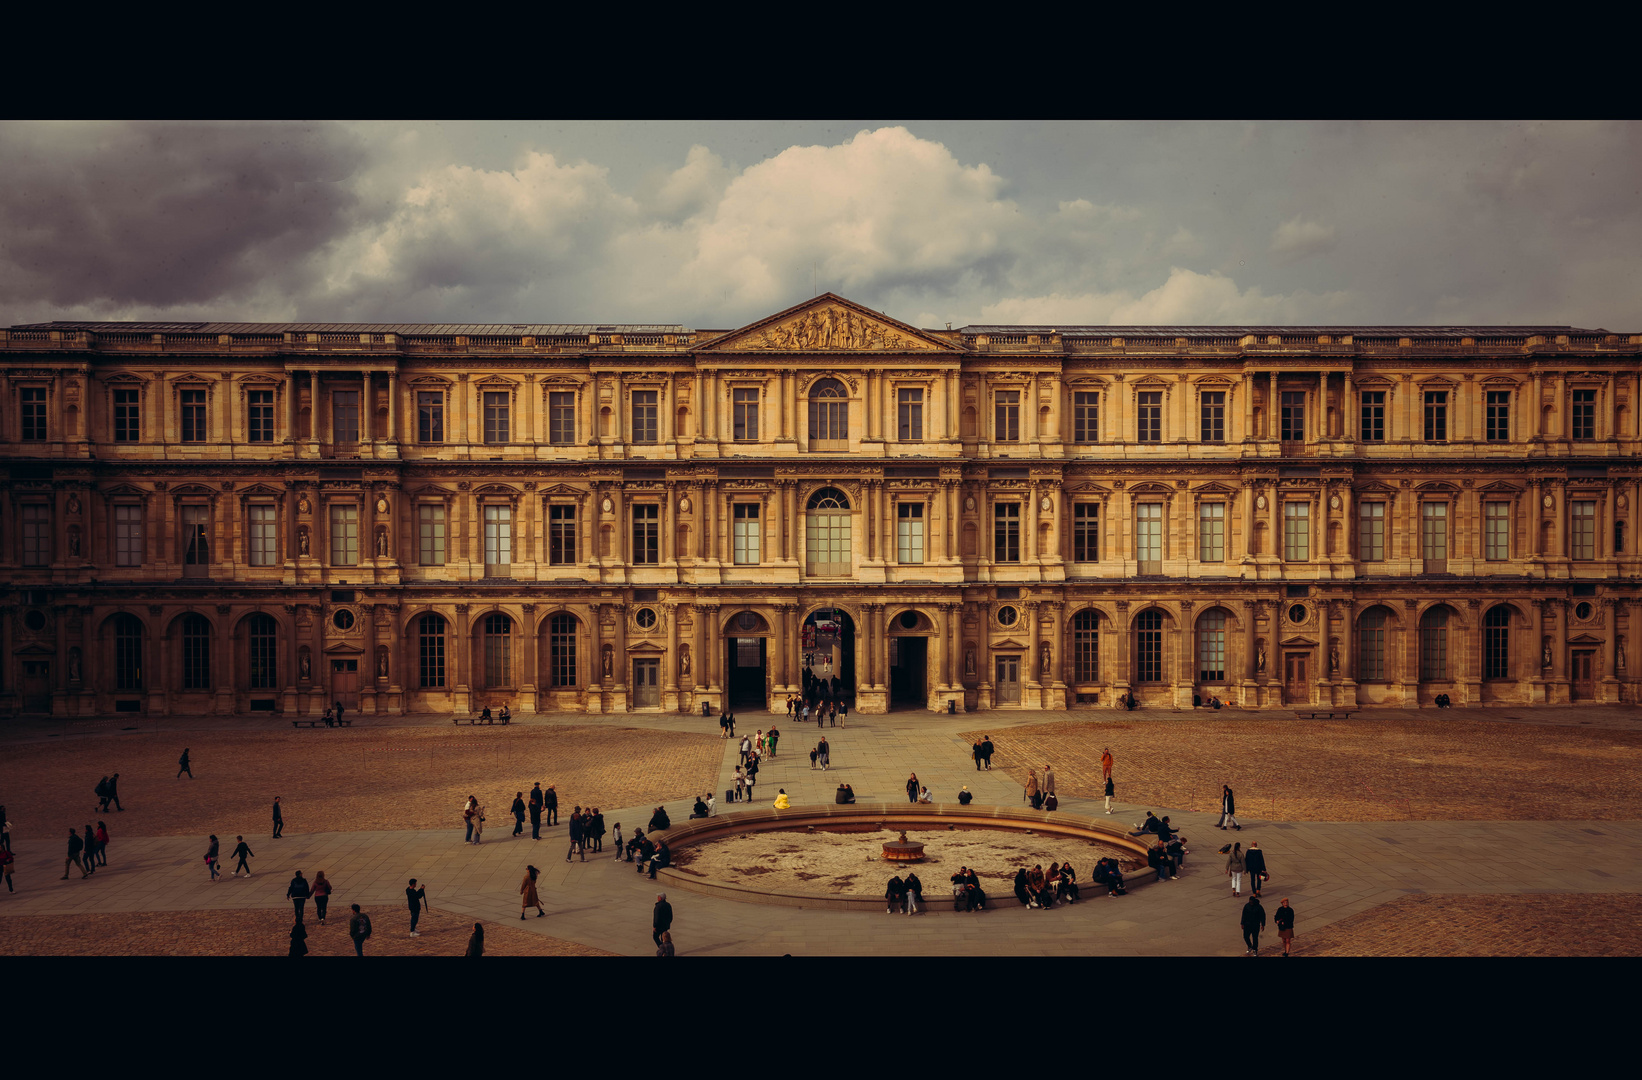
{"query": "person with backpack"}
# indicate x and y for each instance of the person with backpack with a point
(359, 928)
(114, 792)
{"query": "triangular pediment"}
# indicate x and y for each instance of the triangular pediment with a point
(562, 489)
(36, 649)
(1008, 643)
(828, 323)
(645, 647)
(344, 650)
(1090, 489)
(1376, 486)
(1585, 639)
(125, 489)
(1214, 487)
(1503, 487)
(1298, 641)
(261, 489)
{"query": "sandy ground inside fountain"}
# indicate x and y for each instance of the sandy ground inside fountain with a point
(853, 864)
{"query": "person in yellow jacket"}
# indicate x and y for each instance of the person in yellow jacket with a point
(781, 802)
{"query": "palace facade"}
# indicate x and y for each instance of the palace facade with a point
(243, 518)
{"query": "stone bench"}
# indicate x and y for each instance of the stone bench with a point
(316, 723)
(1323, 714)
(477, 719)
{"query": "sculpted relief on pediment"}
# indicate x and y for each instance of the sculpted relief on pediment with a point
(832, 326)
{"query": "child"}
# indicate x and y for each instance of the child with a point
(616, 837)
(813, 753)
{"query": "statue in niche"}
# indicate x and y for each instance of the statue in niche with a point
(302, 541)
(1334, 658)
(1545, 653)
(684, 661)
(609, 662)
(1260, 656)
(382, 541)
(74, 665)
(1619, 654)
(306, 669)
(74, 541)
(382, 663)
(969, 662)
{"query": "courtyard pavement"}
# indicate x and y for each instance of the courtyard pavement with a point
(1327, 870)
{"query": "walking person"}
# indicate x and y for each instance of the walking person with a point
(339, 712)
(182, 762)
(1284, 918)
(476, 941)
(661, 918)
(101, 791)
(321, 891)
(1235, 866)
(1048, 781)
(1033, 795)
(912, 788)
(242, 852)
(527, 890)
(478, 822)
(415, 896)
(814, 755)
(519, 814)
(359, 928)
(1255, 861)
(1108, 794)
(975, 752)
(551, 806)
(279, 819)
(577, 843)
(536, 812)
(298, 892)
(5, 830)
(1228, 809)
(8, 862)
(1253, 921)
(211, 859)
(467, 817)
(299, 940)
(90, 839)
(824, 752)
(749, 779)
(1106, 764)
(114, 792)
(746, 748)
(986, 750)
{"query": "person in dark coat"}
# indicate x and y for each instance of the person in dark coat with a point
(965, 797)
(298, 892)
(279, 819)
(1284, 917)
(1228, 809)
(659, 821)
(1021, 893)
(975, 751)
(661, 918)
(1253, 921)
(114, 792)
(577, 841)
(915, 892)
(1150, 825)
(663, 859)
(299, 940)
(912, 788)
(518, 813)
(1254, 861)
(896, 893)
(536, 812)
(550, 806)
(986, 751)
(476, 941)
(596, 830)
(183, 766)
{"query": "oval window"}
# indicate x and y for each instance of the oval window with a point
(35, 620)
(646, 618)
(1007, 616)
(1297, 613)
(343, 620)
(909, 620)
(1582, 611)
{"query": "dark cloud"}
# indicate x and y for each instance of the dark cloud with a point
(167, 215)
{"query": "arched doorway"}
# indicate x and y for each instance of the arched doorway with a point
(826, 658)
(746, 661)
(908, 633)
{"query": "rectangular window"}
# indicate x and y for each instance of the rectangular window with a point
(1371, 532)
(1149, 416)
(1085, 417)
(1007, 417)
(1294, 416)
(1497, 531)
(561, 535)
(196, 544)
(644, 416)
(1584, 415)
(264, 535)
(1582, 541)
(36, 534)
(128, 535)
(561, 418)
(1434, 531)
(1086, 532)
(430, 416)
(259, 419)
(745, 407)
(909, 415)
(1499, 416)
(498, 539)
(128, 422)
(345, 416)
(33, 405)
(1211, 532)
(431, 651)
(1436, 416)
(1006, 532)
(909, 532)
(1149, 538)
(1371, 647)
(745, 540)
(646, 533)
(430, 535)
(1214, 415)
(1373, 402)
(1296, 531)
(497, 416)
(193, 416)
(1086, 648)
(561, 658)
(345, 535)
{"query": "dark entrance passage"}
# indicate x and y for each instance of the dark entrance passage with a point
(820, 661)
(744, 672)
(908, 669)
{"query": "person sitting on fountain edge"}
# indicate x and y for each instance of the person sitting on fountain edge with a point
(699, 810)
(845, 795)
(965, 796)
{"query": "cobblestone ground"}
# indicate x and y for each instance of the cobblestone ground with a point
(1585, 924)
(1361, 770)
(264, 933)
(407, 778)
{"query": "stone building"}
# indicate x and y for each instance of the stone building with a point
(219, 517)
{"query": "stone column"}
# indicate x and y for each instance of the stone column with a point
(367, 684)
(669, 666)
(393, 409)
(315, 424)
(290, 410)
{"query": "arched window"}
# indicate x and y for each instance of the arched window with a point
(430, 633)
(1434, 644)
(498, 650)
(1211, 647)
(128, 652)
(1371, 645)
(1496, 643)
(561, 650)
(196, 652)
(827, 534)
(1086, 646)
(263, 634)
(829, 415)
(1149, 646)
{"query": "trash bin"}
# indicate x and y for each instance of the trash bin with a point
(705, 711)
(951, 706)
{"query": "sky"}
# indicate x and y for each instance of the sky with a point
(717, 224)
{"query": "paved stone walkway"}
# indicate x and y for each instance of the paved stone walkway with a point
(1328, 870)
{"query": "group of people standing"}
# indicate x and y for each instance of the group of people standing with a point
(826, 712)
